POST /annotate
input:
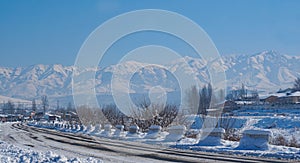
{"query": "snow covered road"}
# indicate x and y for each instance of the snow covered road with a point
(108, 150)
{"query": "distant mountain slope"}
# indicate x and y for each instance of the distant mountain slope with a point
(36, 80)
(4, 99)
(266, 71)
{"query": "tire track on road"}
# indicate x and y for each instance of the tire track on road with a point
(152, 151)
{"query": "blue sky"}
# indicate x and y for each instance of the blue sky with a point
(52, 31)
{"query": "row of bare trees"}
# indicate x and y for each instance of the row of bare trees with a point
(145, 114)
(143, 117)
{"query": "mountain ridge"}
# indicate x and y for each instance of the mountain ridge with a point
(267, 71)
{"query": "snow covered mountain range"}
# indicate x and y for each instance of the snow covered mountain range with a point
(266, 71)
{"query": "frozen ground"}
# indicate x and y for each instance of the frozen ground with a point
(279, 122)
(229, 147)
(10, 153)
(37, 142)
(27, 152)
(16, 147)
(283, 122)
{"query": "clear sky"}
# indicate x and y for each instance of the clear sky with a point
(52, 31)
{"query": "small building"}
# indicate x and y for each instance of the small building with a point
(51, 117)
(3, 117)
(271, 99)
(296, 97)
(38, 115)
(283, 98)
(10, 117)
(229, 106)
(290, 98)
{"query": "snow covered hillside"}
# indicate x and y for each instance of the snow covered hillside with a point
(13, 100)
(266, 71)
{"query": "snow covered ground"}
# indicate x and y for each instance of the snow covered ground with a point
(19, 141)
(277, 122)
(10, 153)
(283, 122)
(230, 148)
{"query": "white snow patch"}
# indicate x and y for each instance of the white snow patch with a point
(11, 153)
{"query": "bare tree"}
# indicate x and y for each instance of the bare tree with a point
(70, 107)
(144, 116)
(198, 102)
(297, 84)
(90, 115)
(205, 99)
(114, 115)
(45, 103)
(9, 107)
(155, 114)
(243, 92)
(57, 105)
(34, 108)
(192, 97)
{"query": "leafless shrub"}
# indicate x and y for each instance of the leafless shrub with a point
(227, 123)
(232, 135)
(114, 116)
(144, 116)
(279, 140)
(89, 115)
(154, 114)
(294, 143)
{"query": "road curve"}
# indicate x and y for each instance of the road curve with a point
(112, 150)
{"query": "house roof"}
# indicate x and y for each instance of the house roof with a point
(295, 94)
(272, 94)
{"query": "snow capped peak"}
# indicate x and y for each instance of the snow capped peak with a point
(269, 52)
(265, 71)
(58, 68)
(188, 61)
(272, 54)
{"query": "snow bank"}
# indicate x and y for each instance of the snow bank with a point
(254, 140)
(133, 132)
(211, 137)
(119, 131)
(10, 153)
(175, 133)
(89, 129)
(107, 131)
(154, 132)
(96, 130)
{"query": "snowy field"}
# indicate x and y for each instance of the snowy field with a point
(10, 153)
(284, 123)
